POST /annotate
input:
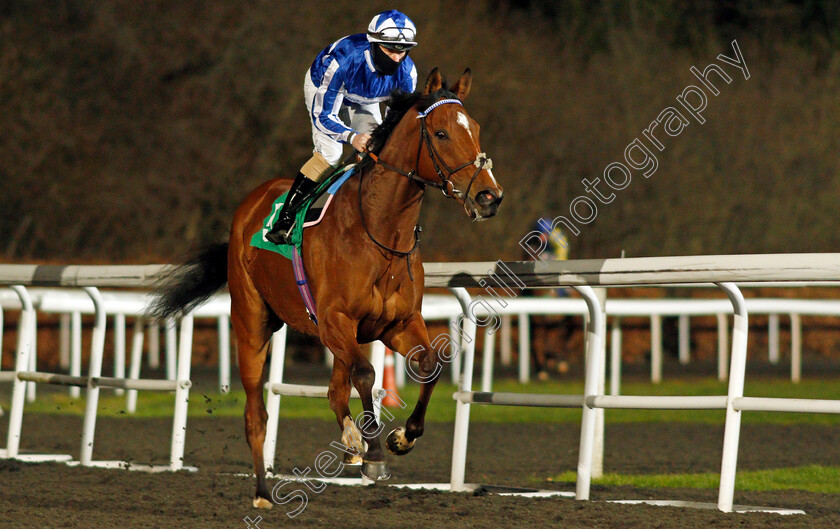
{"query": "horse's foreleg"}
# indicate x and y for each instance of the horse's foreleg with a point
(339, 394)
(373, 463)
(338, 333)
(412, 340)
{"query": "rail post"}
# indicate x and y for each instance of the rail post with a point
(92, 402)
(24, 349)
(278, 356)
(462, 409)
(182, 394)
(737, 371)
(594, 341)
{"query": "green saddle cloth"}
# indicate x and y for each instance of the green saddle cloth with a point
(310, 210)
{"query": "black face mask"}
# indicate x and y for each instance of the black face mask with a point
(385, 65)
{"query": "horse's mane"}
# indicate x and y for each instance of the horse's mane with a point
(399, 103)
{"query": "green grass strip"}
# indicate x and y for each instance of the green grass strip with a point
(442, 408)
(811, 478)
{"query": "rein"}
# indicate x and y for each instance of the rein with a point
(445, 185)
(398, 253)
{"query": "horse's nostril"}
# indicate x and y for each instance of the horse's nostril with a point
(485, 198)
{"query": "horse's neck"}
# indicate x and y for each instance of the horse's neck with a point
(391, 205)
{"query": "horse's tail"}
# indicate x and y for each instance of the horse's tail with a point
(187, 286)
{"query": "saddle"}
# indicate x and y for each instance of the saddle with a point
(310, 213)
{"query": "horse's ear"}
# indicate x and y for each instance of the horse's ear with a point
(434, 82)
(462, 87)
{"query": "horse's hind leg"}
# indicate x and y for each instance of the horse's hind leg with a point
(255, 416)
(250, 320)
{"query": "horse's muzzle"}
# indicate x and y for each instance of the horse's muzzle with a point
(485, 204)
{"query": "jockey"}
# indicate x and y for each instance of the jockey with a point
(557, 245)
(556, 248)
(342, 91)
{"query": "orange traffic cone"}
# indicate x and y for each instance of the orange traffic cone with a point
(389, 381)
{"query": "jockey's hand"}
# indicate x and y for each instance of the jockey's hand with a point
(360, 141)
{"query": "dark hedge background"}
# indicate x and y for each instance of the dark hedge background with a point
(130, 130)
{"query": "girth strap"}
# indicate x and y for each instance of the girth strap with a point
(303, 286)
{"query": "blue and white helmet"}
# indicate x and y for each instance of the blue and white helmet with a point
(393, 30)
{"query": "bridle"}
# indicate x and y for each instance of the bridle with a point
(445, 184)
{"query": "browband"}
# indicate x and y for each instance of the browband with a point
(437, 104)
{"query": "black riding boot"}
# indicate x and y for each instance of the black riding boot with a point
(301, 188)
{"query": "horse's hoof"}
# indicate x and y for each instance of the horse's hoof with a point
(397, 443)
(375, 470)
(262, 503)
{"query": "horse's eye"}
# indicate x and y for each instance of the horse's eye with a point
(441, 135)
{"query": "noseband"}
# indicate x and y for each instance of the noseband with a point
(445, 184)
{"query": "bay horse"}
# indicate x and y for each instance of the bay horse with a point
(362, 263)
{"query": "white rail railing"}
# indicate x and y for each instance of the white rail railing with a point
(722, 270)
(25, 374)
